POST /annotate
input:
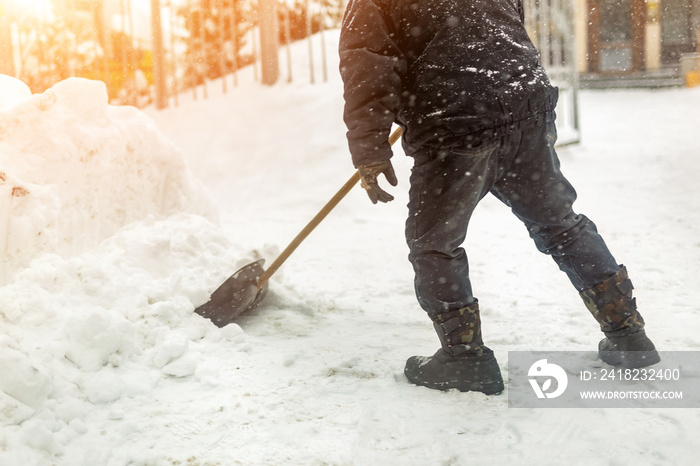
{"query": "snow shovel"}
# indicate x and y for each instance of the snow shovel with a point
(245, 289)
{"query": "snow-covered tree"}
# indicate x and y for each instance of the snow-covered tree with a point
(215, 37)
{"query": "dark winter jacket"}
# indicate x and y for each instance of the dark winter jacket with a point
(445, 70)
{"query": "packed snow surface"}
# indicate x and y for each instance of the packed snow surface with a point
(109, 242)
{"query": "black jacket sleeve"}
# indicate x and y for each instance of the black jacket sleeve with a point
(371, 66)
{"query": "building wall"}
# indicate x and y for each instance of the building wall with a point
(667, 29)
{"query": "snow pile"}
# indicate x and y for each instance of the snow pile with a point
(73, 170)
(108, 243)
(69, 326)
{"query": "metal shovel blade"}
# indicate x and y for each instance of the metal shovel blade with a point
(238, 294)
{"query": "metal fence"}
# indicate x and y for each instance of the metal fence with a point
(551, 25)
(140, 48)
(154, 50)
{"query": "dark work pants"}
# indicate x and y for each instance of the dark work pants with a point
(520, 169)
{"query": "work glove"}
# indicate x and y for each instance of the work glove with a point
(368, 180)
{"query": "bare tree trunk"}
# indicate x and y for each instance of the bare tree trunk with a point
(158, 53)
(7, 56)
(309, 31)
(268, 42)
(234, 37)
(102, 39)
(288, 42)
(173, 56)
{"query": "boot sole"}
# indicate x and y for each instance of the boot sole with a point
(493, 388)
(629, 359)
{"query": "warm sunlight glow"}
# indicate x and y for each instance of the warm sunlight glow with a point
(36, 8)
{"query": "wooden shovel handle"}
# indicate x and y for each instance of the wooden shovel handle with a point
(316, 220)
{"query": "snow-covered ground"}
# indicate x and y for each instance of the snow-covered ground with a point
(102, 361)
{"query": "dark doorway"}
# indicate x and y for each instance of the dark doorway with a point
(677, 36)
(616, 35)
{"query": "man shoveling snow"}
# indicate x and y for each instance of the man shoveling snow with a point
(464, 82)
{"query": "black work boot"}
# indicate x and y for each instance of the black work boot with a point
(613, 306)
(463, 362)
